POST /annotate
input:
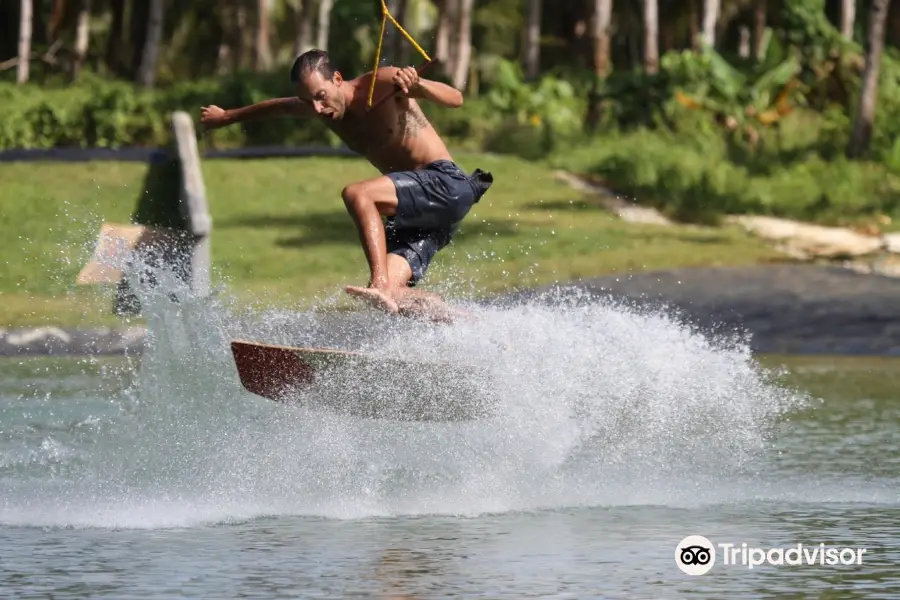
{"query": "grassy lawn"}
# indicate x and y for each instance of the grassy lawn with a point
(281, 235)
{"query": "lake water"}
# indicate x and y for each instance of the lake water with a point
(619, 434)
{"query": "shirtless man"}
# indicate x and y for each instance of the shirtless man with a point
(422, 193)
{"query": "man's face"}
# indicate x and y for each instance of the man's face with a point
(325, 95)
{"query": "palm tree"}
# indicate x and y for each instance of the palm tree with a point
(533, 40)
(146, 73)
(115, 41)
(446, 10)
(324, 23)
(865, 117)
(263, 43)
(82, 36)
(759, 27)
(651, 36)
(600, 35)
(711, 9)
(464, 45)
(848, 16)
(25, 18)
(303, 26)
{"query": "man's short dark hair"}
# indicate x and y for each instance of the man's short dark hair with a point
(312, 61)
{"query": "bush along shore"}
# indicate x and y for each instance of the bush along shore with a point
(706, 136)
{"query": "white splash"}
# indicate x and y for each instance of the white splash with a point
(593, 403)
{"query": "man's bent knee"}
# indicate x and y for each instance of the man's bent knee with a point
(361, 195)
(354, 196)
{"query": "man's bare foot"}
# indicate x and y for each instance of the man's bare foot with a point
(374, 296)
(431, 307)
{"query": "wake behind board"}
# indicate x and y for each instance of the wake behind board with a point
(361, 384)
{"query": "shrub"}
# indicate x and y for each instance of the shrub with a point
(696, 184)
(101, 113)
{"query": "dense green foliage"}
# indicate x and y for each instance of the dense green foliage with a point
(700, 181)
(711, 132)
(101, 113)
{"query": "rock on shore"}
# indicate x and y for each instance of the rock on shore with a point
(805, 240)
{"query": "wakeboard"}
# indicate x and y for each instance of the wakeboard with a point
(362, 384)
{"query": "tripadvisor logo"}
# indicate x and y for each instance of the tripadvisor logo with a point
(696, 555)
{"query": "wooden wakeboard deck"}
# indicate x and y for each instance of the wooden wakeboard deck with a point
(271, 371)
(356, 382)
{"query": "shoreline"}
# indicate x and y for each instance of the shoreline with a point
(801, 309)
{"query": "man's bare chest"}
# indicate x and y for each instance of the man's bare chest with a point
(361, 136)
(365, 133)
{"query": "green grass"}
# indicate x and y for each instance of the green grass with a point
(281, 235)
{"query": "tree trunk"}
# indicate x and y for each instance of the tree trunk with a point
(449, 9)
(651, 36)
(116, 37)
(848, 16)
(600, 36)
(694, 29)
(442, 33)
(146, 75)
(82, 35)
(225, 51)
(744, 41)
(464, 45)
(667, 35)
(710, 18)
(303, 27)
(399, 50)
(600, 25)
(892, 29)
(56, 19)
(533, 40)
(390, 44)
(865, 117)
(139, 16)
(759, 27)
(243, 39)
(263, 53)
(25, 18)
(324, 23)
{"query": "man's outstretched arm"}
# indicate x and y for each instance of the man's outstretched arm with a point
(409, 82)
(213, 116)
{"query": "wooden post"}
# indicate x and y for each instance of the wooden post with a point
(161, 232)
(193, 203)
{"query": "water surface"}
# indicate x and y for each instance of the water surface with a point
(618, 434)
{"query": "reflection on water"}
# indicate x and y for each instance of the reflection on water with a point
(620, 552)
